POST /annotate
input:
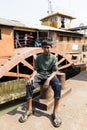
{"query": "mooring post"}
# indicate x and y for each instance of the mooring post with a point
(46, 100)
(46, 93)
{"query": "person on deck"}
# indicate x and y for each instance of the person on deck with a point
(17, 43)
(25, 39)
(44, 72)
(37, 43)
(30, 40)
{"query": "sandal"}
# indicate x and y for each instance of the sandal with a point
(25, 116)
(56, 121)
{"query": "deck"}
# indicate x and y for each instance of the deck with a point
(72, 110)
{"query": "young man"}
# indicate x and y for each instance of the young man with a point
(44, 71)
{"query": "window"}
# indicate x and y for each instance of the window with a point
(62, 22)
(73, 38)
(53, 19)
(42, 35)
(61, 38)
(79, 39)
(68, 39)
(84, 48)
(74, 57)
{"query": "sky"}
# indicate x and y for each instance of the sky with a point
(31, 11)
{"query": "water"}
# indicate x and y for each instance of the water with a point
(7, 107)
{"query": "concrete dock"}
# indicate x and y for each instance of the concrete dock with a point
(72, 110)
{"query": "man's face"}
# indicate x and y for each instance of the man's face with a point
(46, 49)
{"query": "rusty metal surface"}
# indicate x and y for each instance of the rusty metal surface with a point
(21, 54)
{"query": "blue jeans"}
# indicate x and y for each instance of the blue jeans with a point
(55, 84)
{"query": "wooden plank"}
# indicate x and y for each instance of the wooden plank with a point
(65, 66)
(27, 64)
(60, 61)
(13, 74)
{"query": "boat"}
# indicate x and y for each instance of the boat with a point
(18, 51)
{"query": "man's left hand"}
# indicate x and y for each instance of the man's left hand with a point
(46, 83)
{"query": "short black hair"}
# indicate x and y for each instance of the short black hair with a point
(47, 42)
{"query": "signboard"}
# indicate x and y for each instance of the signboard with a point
(75, 46)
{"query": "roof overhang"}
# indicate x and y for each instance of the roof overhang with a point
(57, 14)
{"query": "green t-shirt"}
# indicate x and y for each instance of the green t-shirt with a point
(45, 65)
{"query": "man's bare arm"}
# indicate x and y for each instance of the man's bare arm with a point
(47, 82)
(31, 80)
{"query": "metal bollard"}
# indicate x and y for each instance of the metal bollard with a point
(46, 93)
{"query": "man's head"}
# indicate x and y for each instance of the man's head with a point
(46, 46)
(47, 42)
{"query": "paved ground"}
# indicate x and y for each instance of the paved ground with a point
(72, 110)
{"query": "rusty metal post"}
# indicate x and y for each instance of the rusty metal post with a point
(18, 71)
(46, 100)
(46, 93)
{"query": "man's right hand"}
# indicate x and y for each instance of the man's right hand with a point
(30, 81)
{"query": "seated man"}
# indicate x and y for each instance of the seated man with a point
(44, 71)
